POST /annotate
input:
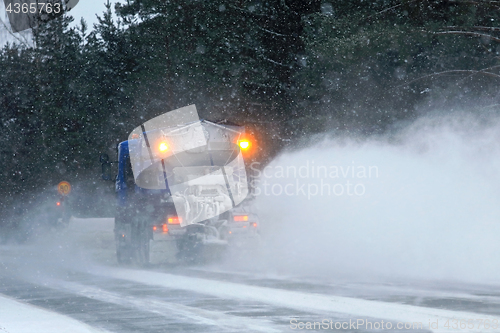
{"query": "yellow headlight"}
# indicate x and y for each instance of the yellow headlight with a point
(244, 144)
(163, 147)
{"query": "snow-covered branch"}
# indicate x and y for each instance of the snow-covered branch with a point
(466, 33)
(274, 62)
(274, 33)
(453, 71)
(479, 28)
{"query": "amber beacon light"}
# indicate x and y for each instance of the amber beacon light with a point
(244, 144)
(163, 147)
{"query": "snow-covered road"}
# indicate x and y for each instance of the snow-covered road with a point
(72, 284)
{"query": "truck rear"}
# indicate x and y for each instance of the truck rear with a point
(182, 180)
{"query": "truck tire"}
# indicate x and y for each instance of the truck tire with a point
(122, 243)
(123, 255)
(189, 249)
(141, 246)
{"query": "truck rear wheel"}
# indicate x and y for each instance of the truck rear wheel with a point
(141, 247)
(123, 255)
(189, 249)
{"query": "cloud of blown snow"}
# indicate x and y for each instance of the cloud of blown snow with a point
(422, 203)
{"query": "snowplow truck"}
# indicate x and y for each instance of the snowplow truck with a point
(182, 180)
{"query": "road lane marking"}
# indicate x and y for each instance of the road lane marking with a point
(194, 314)
(300, 300)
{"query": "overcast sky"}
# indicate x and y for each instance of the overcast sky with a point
(85, 8)
(88, 10)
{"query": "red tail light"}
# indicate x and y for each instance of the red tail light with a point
(254, 225)
(154, 228)
(174, 220)
(58, 203)
(240, 218)
(164, 228)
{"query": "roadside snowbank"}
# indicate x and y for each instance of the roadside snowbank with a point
(17, 317)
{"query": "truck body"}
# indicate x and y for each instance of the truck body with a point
(184, 183)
